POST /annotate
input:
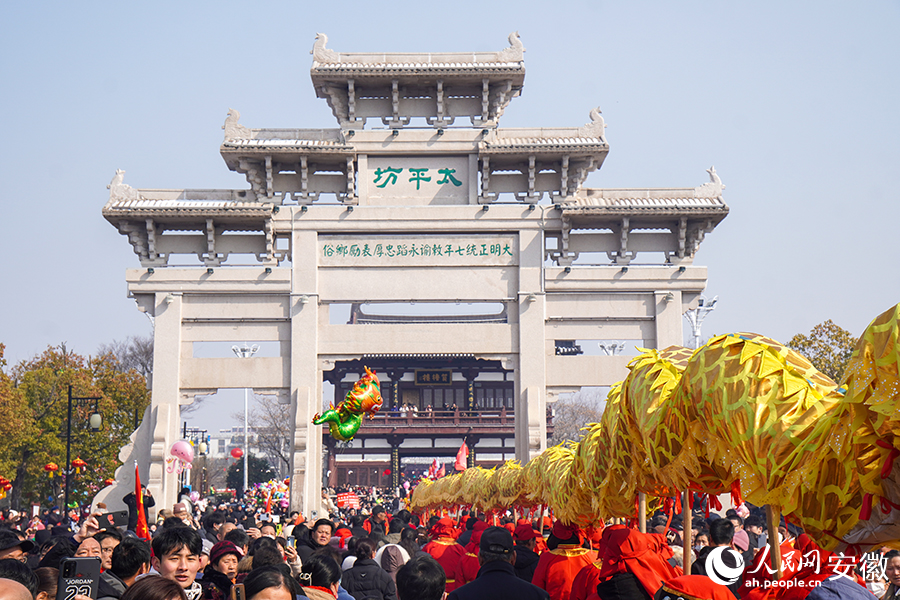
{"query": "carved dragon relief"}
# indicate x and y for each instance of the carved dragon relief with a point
(320, 53)
(712, 188)
(119, 190)
(234, 130)
(596, 128)
(515, 52)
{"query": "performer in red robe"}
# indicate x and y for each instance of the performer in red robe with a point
(643, 555)
(444, 549)
(694, 587)
(557, 568)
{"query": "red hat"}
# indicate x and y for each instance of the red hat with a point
(524, 532)
(221, 549)
(594, 534)
(443, 528)
(695, 587)
(563, 531)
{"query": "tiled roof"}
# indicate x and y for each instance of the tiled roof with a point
(388, 66)
(245, 143)
(700, 199)
(550, 142)
(144, 204)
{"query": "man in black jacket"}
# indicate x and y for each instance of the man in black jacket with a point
(366, 580)
(496, 578)
(721, 533)
(526, 558)
(130, 559)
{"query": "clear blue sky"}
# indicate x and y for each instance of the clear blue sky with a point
(794, 103)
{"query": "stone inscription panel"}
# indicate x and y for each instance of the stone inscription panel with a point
(476, 250)
(417, 180)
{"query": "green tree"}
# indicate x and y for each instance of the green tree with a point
(258, 471)
(33, 416)
(828, 347)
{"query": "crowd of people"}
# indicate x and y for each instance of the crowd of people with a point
(384, 552)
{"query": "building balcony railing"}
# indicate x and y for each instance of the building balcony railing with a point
(485, 418)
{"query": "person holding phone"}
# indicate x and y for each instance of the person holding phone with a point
(176, 556)
(219, 575)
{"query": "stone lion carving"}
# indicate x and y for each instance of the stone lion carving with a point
(321, 53)
(234, 130)
(596, 128)
(515, 52)
(119, 190)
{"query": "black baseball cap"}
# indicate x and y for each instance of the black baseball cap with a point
(497, 540)
(8, 540)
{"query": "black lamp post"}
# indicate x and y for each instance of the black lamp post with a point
(95, 421)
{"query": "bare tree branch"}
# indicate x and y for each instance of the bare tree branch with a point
(573, 413)
(271, 424)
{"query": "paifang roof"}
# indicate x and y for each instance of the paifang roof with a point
(507, 62)
(705, 200)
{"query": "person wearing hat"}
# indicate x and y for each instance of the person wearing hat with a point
(557, 568)
(693, 587)
(444, 549)
(526, 558)
(469, 565)
(219, 575)
(12, 547)
(496, 578)
(635, 564)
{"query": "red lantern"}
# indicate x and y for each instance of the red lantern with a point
(236, 452)
(108, 481)
(51, 469)
(78, 464)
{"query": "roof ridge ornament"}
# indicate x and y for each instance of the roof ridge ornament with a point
(121, 191)
(712, 188)
(596, 128)
(233, 130)
(515, 52)
(321, 54)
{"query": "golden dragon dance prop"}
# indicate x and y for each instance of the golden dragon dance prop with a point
(744, 411)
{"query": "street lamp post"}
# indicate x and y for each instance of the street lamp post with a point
(245, 351)
(695, 317)
(95, 421)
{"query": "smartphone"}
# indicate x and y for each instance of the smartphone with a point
(113, 520)
(78, 576)
(237, 592)
(291, 541)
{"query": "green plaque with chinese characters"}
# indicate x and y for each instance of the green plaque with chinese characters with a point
(434, 377)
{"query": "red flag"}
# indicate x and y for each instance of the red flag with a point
(462, 457)
(440, 472)
(141, 530)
